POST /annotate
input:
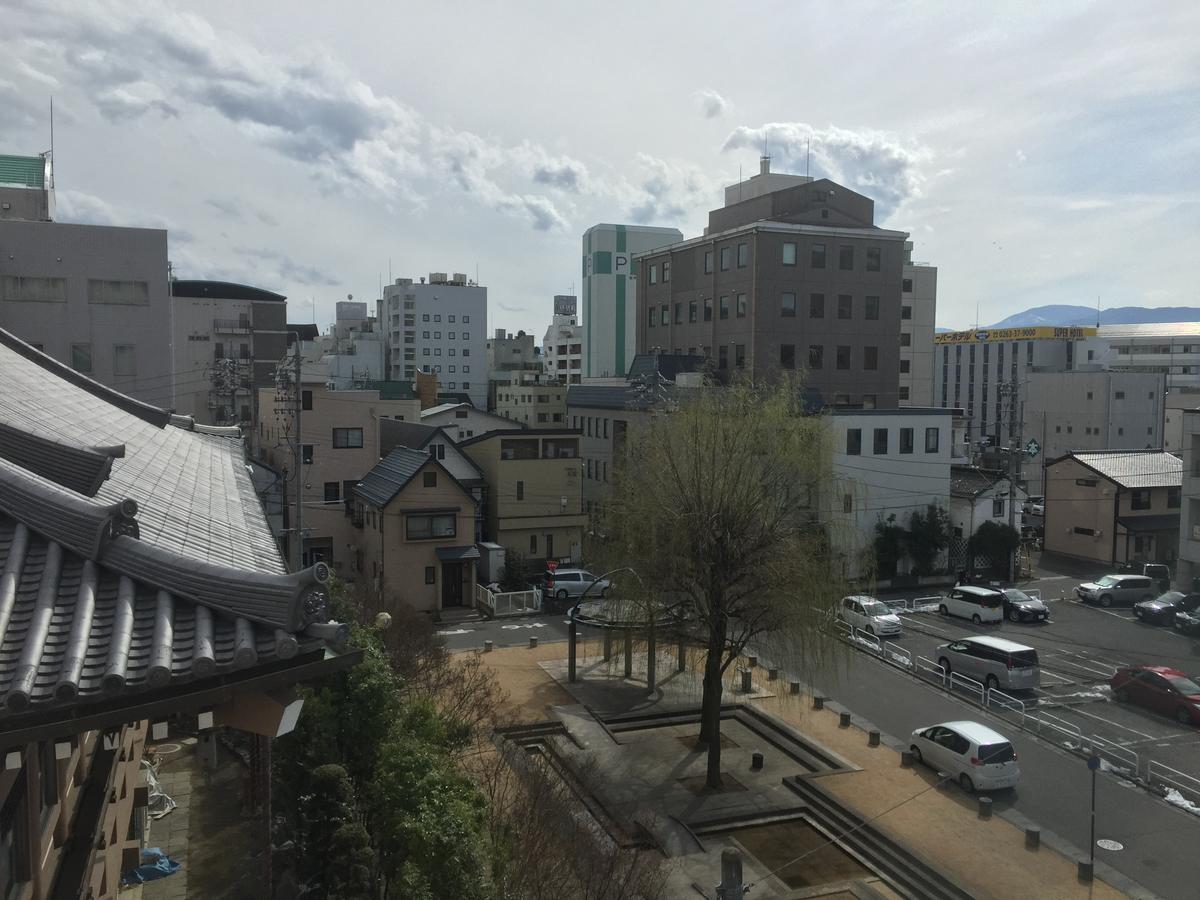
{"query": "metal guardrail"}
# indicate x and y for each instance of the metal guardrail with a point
(1006, 705)
(1166, 777)
(1120, 758)
(900, 655)
(925, 666)
(969, 685)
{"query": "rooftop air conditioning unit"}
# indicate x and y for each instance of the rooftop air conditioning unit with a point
(460, 278)
(437, 277)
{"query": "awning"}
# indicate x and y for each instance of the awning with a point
(1150, 523)
(456, 554)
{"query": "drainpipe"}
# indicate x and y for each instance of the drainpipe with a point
(1116, 513)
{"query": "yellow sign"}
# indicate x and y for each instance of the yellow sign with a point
(998, 335)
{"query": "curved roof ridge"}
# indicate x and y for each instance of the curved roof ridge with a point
(80, 468)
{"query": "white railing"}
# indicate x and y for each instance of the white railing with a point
(1058, 730)
(1005, 704)
(512, 603)
(1166, 777)
(968, 685)
(928, 667)
(1122, 759)
(901, 656)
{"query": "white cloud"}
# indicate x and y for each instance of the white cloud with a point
(710, 104)
(669, 191)
(883, 166)
(1021, 157)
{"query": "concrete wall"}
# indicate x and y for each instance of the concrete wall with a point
(1189, 523)
(1079, 499)
(921, 304)
(75, 271)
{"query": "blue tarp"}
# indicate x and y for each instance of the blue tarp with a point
(155, 865)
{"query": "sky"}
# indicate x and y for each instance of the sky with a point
(1037, 153)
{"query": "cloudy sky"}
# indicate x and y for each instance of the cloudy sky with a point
(1037, 153)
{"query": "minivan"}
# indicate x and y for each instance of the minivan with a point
(982, 759)
(1124, 590)
(869, 615)
(979, 604)
(569, 584)
(994, 661)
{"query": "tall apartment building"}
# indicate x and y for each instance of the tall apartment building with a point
(562, 348)
(229, 339)
(440, 328)
(918, 317)
(610, 294)
(92, 296)
(793, 279)
(354, 347)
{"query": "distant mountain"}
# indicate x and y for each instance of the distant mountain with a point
(1061, 314)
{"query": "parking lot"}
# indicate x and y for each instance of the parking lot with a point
(1079, 649)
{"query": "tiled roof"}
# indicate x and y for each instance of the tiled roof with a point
(390, 475)
(1135, 468)
(134, 552)
(441, 408)
(968, 481)
(395, 433)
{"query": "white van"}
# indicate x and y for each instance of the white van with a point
(869, 615)
(979, 604)
(993, 661)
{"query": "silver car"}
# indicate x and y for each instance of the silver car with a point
(1120, 590)
(569, 584)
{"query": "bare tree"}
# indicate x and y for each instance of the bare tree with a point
(715, 506)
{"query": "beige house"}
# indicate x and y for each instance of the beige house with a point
(415, 527)
(339, 439)
(534, 499)
(1114, 506)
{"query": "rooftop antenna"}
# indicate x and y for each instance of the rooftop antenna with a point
(808, 158)
(1097, 310)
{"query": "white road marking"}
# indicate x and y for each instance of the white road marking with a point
(1081, 712)
(457, 631)
(527, 625)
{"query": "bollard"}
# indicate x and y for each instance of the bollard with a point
(747, 682)
(985, 807)
(872, 738)
(818, 702)
(1033, 838)
(487, 646)
(906, 759)
(752, 661)
(756, 761)
(772, 674)
(1085, 871)
(533, 643)
(844, 720)
(794, 687)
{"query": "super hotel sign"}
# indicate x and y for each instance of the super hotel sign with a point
(999, 335)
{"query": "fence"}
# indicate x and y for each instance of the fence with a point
(513, 603)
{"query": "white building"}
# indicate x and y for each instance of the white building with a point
(886, 462)
(562, 349)
(978, 496)
(1170, 348)
(439, 327)
(462, 420)
(354, 348)
(609, 315)
(1189, 514)
(918, 315)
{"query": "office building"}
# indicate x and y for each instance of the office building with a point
(918, 315)
(1169, 348)
(511, 359)
(94, 297)
(609, 294)
(793, 280)
(562, 348)
(229, 340)
(440, 328)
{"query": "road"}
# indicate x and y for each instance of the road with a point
(504, 632)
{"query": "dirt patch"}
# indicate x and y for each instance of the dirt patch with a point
(781, 842)
(695, 784)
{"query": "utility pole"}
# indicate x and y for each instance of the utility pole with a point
(297, 545)
(1014, 468)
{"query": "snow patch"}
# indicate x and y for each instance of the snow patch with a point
(1095, 693)
(1175, 798)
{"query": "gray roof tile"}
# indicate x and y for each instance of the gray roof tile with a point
(390, 475)
(1135, 468)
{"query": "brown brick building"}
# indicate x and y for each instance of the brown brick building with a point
(792, 279)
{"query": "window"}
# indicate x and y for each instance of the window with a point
(846, 257)
(306, 400)
(708, 309)
(450, 319)
(816, 356)
(722, 357)
(424, 527)
(904, 392)
(651, 316)
(666, 271)
(678, 313)
(425, 317)
(723, 308)
(124, 359)
(33, 290)
(708, 261)
(931, 440)
(853, 441)
(1139, 499)
(789, 253)
(437, 335)
(654, 273)
(430, 574)
(905, 339)
(533, 544)
(120, 293)
(466, 320)
(739, 355)
(450, 335)
(997, 507)
(816, 306)
(347, 438)
(847, 503)
(843, 357)
(520, 490)
(429, 479)
(905, 366)
(880, 443)
(725, 259)
(873, 257)
(1120, 395)
(1086, 482)
(906, 285)
(333, 491)
(664, 314)
(1173, 497)
(870, 358)
(743, 255)
(787, 305)
(787, 356)
(906, 312)
(692, 311)
(81, 358)
(437, 317)
(1085, 531)
(306, 454)
(845, 306)
(741, 306)
(816, 257)
(906, 440)
(871, 309)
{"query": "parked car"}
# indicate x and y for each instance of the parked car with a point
(869, 615)
(1161, 689)
(1162, 609)
(975, 755)
(1117, 589)
(992, 661)
(968, 601)
(563, 585)
(1020, 607)
(1188, 622)
(1034, 506)
(1160, 572)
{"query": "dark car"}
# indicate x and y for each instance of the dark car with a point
(1162, 609)
(1188, 622)
(1161, 689)
(1020, 607)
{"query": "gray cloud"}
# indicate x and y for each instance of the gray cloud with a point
(287, 268)
(710, 104)
(877, 164)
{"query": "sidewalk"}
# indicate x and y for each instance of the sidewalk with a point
(988, 858)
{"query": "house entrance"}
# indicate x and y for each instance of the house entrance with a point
(452, 584)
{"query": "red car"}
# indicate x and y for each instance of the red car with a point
(1159, 688)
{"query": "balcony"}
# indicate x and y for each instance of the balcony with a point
(231, 326)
